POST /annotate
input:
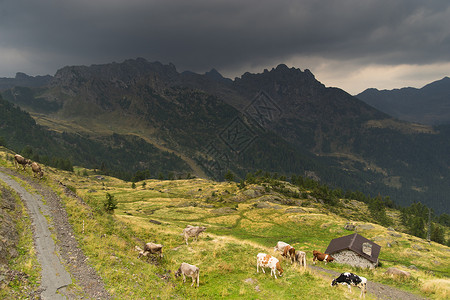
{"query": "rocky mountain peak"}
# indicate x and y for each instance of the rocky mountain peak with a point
(214, 74)
(129, 71)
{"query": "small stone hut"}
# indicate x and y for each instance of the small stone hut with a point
(354, 250)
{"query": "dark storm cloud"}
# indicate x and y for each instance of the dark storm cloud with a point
(198, 35)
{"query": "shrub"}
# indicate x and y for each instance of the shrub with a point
(110, 203)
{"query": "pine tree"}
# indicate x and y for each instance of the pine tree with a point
(437, 234)
(229, 176)
(110, 203)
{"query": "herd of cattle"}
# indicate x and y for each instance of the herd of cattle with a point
(19, 160)
(263, 260)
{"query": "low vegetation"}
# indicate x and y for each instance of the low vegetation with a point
(242, 220)
(20, 277)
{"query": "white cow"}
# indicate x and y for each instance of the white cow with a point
(192, 271)
(280, 246)
(192, 231)
(264, 260)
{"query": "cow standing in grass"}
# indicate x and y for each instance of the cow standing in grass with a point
(150, 248)
(350, 279)
(289, 252)
(37, 170)
(264, 260)
(300, 258)
(286, 250)
(20, 160)
(322, 257)
(192, 271)
(192, 231)
(280, 246)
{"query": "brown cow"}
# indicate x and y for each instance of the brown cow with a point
(289, 252)
(322, 257)
(20, 160)
(37, 170)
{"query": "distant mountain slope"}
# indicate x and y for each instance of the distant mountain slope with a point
(282, 120)
(24, 80)
(123, 155)
(428, 105)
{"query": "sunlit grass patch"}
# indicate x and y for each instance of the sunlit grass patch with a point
(181, 213)
(262, 215)
(229, 220)
(252, 226)
(437, 288)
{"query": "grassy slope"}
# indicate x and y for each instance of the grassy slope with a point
(226, 253)
(24, 276)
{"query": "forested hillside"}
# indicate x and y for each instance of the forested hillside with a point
(115, 154)
(282, 120)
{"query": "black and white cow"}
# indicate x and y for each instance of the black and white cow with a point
(351, 279)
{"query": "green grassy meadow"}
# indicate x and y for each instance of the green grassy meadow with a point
(238, 228)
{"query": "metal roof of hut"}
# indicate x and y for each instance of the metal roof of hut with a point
(355, 242)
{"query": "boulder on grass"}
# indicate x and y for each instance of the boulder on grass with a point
(397, 272)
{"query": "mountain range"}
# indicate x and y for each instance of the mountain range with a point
(427, 105)
(145, 117)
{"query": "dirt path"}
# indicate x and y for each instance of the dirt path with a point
(379, 290)
(61, 262)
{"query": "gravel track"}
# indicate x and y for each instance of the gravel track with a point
(61, 262)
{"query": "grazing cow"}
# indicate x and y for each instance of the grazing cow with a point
(300, 258)
(150, 248)
(192, 231)
(264, 260)
(289, 251)
(350, 279)
(280, 246)
(189, 270)
(286, 250)
(20, 160)
(322, 257)
(37, 170)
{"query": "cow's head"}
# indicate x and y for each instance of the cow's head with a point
(178, 272)
(333, 283)
(280, 270)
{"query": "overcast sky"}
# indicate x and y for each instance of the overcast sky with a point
(351, 44)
